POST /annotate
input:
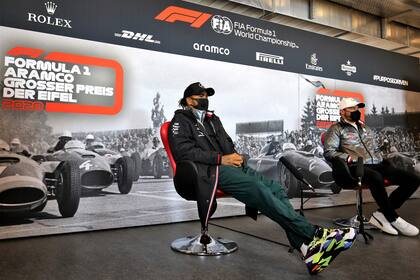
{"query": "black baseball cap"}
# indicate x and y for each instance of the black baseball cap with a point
(197, 88)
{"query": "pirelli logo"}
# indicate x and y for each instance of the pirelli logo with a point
(174, 13)
(269, 58)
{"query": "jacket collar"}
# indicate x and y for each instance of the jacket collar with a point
(359, 123)
(190, 115)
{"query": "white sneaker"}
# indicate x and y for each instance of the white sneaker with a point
(378, 220)
(404, 227)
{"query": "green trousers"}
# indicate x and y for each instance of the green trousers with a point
(269, 197)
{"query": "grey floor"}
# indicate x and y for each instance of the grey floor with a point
(144, 253)
(151, 201)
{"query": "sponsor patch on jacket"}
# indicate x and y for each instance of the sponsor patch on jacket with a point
(175, 129)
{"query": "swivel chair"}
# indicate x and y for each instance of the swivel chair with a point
(186, 178)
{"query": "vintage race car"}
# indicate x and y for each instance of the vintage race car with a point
(97, 172)
(314, 169)
(26, 185)
(155, 163)
(113, 156)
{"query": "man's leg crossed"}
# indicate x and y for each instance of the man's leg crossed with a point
(249, 188)
(319, 246)
(408, 183)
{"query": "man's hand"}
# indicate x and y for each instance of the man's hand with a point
(235, 160)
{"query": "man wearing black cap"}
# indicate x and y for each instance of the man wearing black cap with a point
(349, 139)
(196, 134)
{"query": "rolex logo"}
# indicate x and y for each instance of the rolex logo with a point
(49, 19)
(50, 6)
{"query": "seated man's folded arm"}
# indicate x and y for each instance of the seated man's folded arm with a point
(332, 145)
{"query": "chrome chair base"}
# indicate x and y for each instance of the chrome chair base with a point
(213, 247)
(353, 222)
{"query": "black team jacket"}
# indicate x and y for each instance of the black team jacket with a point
(190, 140)
(204, 144)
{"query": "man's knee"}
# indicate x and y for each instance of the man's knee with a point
(255, 190)
(410, 179)
(400, 176)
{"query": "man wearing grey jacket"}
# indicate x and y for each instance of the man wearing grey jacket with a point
(349, 139)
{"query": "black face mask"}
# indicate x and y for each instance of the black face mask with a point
(355, 115)
(203, 104)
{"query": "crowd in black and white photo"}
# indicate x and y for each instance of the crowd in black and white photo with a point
(130, 140)
(399, 139)
(303, 141)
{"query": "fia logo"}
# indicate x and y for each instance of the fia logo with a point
(221, 24)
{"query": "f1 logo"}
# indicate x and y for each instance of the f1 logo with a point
(175, 13)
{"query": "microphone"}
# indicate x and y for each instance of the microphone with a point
(295, 172)
(359, 168)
